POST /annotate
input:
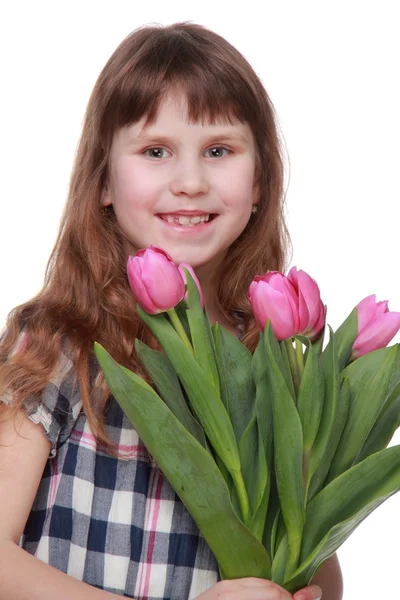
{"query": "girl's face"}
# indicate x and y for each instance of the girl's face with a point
(187, 188)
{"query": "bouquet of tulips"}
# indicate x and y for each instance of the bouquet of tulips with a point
(278, 455)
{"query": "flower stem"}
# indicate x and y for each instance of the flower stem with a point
(293, 364)
(300, 357)
(180, 329)
(242, 495)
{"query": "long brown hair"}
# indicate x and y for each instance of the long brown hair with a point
(86, 297)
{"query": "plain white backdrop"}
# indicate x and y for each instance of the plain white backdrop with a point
(331, 69)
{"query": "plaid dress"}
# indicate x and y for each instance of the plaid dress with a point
(114, 523)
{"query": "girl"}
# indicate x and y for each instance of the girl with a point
(179, 150)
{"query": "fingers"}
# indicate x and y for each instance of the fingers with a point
(249, 588)
(312, 592)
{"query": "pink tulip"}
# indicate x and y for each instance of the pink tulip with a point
(155, 280)
(292, 303)
(312, 311)
(193, 274)
(377, 326)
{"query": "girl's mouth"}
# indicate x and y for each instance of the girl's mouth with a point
(185, 221)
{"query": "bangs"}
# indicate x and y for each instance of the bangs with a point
(214, 85)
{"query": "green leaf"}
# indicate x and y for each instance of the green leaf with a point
(309, 405)
(341, 506)
(181, 311)
(287, 373)
(263, 398)
(205, 402)
(255, 475)
(191, 471)
(328, 426)
(167, 383)
(263, 409)
(237, 386)
(318, 344)
(311, 397)
(345, 337)
(280, 560)
(322, 470)
(370, 378)
(288, 450)
(385, 425)
(200, 334)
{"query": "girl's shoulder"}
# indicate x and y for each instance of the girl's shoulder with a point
(59, 404)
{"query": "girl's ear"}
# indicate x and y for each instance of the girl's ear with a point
(256, 194)
(106, 196)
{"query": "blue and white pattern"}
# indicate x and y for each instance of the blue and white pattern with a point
(114, 523)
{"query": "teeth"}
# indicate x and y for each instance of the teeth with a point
(186, 221)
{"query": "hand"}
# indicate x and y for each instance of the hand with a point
(252, 588)
(312, 592)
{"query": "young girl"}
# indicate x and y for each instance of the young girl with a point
(179, 150)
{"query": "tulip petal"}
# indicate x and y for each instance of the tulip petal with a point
(162, 280)
(308, 288)
(134, 271)
(280, 283)
(377, 334)
(304, 316)
(366, 311)
(268, 303)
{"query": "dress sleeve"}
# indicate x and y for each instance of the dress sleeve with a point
(58, 406)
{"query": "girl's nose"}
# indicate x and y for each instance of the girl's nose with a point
(189, 178)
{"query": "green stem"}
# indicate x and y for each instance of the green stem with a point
(293, 557)
(242, 495)
(180, 329)
(293, 364)
(300, 357)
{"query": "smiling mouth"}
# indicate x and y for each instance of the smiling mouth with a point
(187, 220)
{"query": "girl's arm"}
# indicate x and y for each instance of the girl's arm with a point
(329, 579)
(24, 450)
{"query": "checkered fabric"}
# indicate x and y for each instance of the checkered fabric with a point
(114, 523)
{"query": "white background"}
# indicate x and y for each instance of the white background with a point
(332, 71)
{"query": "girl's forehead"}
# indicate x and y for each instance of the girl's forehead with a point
(175, 104)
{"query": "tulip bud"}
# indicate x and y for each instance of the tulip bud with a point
(155, 280)
(273, 297)
(293, 304)
(377, 326)
(183, 266)
(312, 311)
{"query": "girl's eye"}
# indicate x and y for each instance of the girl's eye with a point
(218, 151)
(156, 153)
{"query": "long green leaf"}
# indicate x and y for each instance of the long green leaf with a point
(328, 426)
(263, 408)
(340, 507)
(385, 425)
(287, 373)
(201, 337)
(345, 337)
(255, 474)
(378, 476)
(204, 400)
(327, 547)
(237, 386)
(190, 470)
(166, 381)
(288, 449)
(311, 398)
(370, 378)
(322, 470)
